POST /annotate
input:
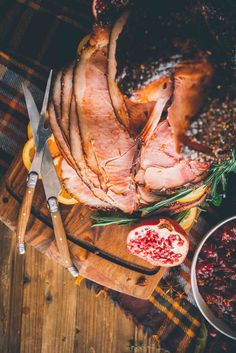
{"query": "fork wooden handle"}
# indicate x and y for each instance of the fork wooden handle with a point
(24, 213)
(60, 236)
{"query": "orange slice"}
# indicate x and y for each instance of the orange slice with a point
(54, 150)
(29, 151)
(28, 155)
(29, 131)
(64, 197)
(51, 142)
(188, 221)
(194, 195)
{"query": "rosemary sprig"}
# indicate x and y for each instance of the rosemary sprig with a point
(164, 203)
(218, 178)
(101, 220)
(180, 216)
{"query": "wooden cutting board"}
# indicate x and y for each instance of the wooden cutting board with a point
(99, 253)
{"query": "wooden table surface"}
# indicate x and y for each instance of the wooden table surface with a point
(43, 311)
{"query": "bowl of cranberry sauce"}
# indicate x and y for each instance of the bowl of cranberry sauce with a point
(213, 276)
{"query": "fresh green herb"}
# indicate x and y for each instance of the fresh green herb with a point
(218, 178)
(101, 220)
(180, 216)
(164, 203)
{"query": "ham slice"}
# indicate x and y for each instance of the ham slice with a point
(161, 167)
(108, 148)
(146, 197)
(66, 96)
(61, 142)
(138, 114)
(117, 98)
(71, 180)
(190, 82)
(57, 96)
(77, 188)
(86, 174)
(162, 95)
(54, 112)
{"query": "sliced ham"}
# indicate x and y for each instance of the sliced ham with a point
(109, 150)
(161, 178)
(66, 96)
(146, 197)
(77, 188)
(150, 92)
(190, 82)
(86, 174)
(80, 188)
(161, 167)
(163, 93)
(147, 103)
(138, 114)
(57, 95)
(117, 97)
(54, 112)
(59, 137)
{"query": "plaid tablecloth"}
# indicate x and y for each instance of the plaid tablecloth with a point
(36, 36)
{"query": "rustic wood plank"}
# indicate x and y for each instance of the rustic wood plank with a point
(59, 310)
(5, 285)
(33, 302)
(49, 306)
(11, 292)
(100, 325)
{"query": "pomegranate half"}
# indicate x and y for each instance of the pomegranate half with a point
(160, 241)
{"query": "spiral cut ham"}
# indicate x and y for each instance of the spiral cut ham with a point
(120, 152)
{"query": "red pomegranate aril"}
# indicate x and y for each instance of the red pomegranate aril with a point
(160, 241)
(205, 269)
(209, 251)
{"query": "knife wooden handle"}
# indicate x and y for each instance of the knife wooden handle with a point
(60, 236)
(25, 209)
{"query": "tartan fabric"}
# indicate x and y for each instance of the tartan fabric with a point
(36, 36)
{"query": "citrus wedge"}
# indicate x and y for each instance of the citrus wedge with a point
(54, 150)
(64, 197)
(28, 155)
(29, 151)
(194, 195)
(188, 221)
(29, 131)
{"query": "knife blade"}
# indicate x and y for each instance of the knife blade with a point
(52, 188)
(34, 172)
(34, 118)
(51, 183)
(40, 135)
